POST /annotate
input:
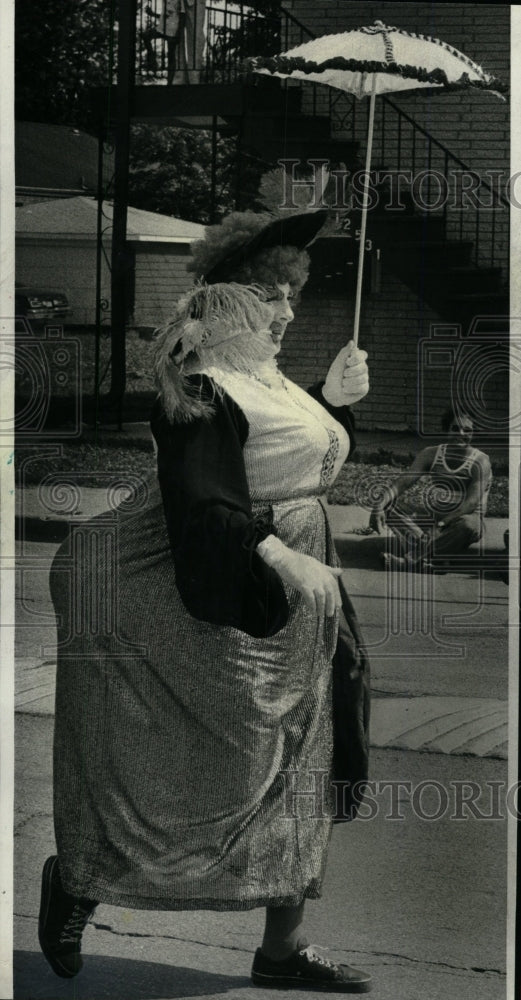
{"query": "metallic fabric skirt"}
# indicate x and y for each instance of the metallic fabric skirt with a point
(191, 760)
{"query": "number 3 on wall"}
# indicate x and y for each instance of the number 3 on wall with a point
(368, 243)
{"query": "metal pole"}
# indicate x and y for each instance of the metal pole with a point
(120, 261)
(213, 190)
(240, 163)
(365, 203)
(99, 251)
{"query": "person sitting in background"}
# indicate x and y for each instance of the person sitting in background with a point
(456, 505)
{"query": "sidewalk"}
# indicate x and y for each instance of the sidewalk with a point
(455, 717)
(421, 904)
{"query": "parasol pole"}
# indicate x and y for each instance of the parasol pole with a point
(365, 203)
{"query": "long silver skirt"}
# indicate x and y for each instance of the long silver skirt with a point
(191, 760)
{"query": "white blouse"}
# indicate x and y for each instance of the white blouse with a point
(295, 448)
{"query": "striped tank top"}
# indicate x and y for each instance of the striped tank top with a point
(460, 477)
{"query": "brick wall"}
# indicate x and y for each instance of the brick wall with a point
(407, 390)
(161, 276)
(482, 31)
(474, 126)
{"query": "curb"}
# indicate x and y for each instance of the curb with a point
(39, 529)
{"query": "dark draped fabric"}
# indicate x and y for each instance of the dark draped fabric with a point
(213, 533)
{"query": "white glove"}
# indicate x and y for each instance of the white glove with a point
(316, 582)
(347, 380)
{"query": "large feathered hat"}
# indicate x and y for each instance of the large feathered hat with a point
(243, 235)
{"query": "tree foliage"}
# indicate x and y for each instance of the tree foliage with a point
(62, 51)
(171, 172)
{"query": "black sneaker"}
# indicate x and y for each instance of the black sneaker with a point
(61, 922)
(305, 970)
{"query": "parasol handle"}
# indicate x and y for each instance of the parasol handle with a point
(365, 203)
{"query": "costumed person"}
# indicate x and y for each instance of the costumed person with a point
(191, 724)
(456, 501)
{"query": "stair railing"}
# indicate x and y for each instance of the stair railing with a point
(208, 48)
(471, 209)
(336, 104)
(442, 185)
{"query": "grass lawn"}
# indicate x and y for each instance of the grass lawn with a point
(78, 459)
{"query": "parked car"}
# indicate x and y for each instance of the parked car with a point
(40, 306)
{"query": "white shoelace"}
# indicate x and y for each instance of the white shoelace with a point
(313, 956)
(75, 925)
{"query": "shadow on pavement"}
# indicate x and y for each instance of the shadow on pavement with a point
(360, 552)
(116, 979)
(366, 553)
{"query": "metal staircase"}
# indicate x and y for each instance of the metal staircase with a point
(454, 256)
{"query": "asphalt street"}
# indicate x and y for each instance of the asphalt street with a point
(420, 903)
(415, 890)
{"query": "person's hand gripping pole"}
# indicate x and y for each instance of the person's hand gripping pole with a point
(347, 380)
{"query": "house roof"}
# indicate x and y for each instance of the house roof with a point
(58, 156)
(78, 217)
